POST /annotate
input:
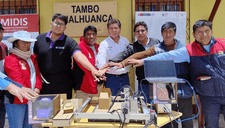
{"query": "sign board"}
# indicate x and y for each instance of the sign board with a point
(82, 14)
(155, 20)
(13, 23)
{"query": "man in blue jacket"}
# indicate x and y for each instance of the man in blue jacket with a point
(206, 56)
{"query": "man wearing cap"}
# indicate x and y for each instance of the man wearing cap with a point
(3, 54)
(54, 51)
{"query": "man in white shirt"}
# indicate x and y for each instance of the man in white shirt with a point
(109, 48)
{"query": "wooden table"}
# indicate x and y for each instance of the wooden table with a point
(162, 119)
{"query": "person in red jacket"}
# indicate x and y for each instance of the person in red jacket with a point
(89, 48)
(21, 67)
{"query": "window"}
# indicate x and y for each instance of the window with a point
(18, 6)
(159, 5)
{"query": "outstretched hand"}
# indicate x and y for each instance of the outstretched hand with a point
(135, 62)
(21, 93)
(103, 71)
(99, 74)
(112, 64)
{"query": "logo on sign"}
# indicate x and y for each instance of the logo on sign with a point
(177, 14)
(146, 14)
(165, 14)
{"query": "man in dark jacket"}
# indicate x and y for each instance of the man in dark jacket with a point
(143, 43)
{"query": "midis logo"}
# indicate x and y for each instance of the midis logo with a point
(14, 22)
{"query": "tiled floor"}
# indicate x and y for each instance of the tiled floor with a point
(222, 123)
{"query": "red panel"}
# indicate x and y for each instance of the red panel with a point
(26, 22)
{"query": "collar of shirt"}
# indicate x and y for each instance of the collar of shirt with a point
(164, 46)
(113, 40)
(207, 47)
(52, 43)
(146, 46)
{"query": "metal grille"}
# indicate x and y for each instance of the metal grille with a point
(18, 6)
(159, 5)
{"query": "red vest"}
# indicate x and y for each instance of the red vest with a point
(88, 84)
(19, 71)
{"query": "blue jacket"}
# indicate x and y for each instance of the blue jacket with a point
(182, 70)
(202, 63)
(5, 81)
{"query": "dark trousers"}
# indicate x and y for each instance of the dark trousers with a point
(211, 108)
(2, 110)
(185, 107)
(115, 82)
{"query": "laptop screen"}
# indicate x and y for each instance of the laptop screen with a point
(159, 68)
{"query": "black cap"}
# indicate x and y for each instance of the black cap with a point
(1, 26)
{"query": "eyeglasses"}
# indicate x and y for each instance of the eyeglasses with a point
(56, 23)
(142, 31)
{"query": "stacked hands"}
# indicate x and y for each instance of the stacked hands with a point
(99, 74)
(134, 62)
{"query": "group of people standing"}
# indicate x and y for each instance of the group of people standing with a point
(48, 70)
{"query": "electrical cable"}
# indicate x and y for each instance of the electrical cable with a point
(123, 111)
(169, 117)
(143, 91)
(146, 125)
(118, 94)
(170, 111)
(118, 115)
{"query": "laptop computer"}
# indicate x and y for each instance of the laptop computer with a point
(161, 71)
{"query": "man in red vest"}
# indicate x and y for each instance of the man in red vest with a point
(89, 48)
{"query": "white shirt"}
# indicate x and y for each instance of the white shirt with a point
(108, 49)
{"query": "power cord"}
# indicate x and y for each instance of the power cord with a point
(124, 113)
(170, 111)
(118, 94)
(143, 91)
(118, 115)
(169, 117)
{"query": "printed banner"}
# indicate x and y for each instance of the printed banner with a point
(13, 23)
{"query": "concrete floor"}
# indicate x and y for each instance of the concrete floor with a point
(222, 123)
